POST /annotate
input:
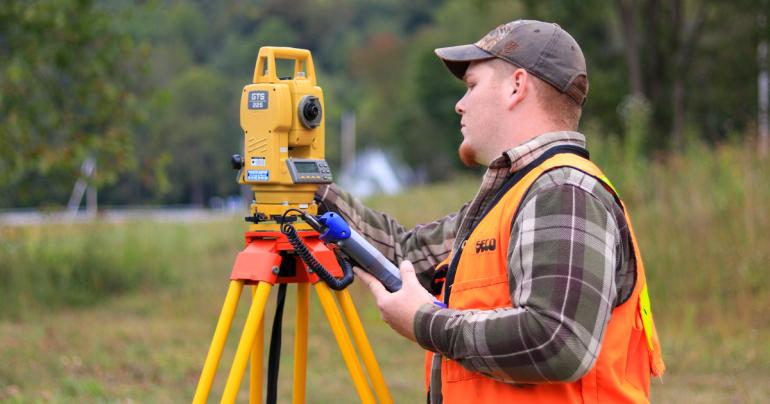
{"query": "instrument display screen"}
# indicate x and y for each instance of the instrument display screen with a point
(306, 167)
(309, 171)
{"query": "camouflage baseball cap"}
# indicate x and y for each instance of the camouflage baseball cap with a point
(543, 49)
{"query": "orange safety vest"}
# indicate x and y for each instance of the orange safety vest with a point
(630, 351)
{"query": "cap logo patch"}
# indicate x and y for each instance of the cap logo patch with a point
(510, 47)
(493, 37)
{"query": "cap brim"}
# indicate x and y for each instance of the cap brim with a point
(458, 58)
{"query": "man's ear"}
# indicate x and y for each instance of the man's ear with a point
(517, 87)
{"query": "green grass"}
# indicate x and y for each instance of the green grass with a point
(703, 228)
(59, 265)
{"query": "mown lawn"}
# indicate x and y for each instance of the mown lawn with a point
(703, 226)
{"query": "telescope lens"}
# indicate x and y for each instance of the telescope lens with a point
(310, 112)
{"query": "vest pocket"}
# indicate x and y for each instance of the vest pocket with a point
(481, 294)
(484, 293)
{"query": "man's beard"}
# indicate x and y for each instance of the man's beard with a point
(467, 155)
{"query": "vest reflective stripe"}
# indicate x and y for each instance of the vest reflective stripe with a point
(630, 351)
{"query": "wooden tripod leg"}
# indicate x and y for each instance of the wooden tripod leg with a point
(364, 348)
(344, 342)
(256, 362)
(256, 312)
(218, 342)
(300, 343)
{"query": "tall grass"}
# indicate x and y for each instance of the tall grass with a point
(46, 267)
(704, 228)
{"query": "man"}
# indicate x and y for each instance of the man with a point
(545, 288)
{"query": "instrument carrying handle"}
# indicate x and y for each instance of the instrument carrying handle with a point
(266, 72)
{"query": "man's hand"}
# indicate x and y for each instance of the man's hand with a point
(398, 308)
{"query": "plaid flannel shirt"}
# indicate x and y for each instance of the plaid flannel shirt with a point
(570, 262)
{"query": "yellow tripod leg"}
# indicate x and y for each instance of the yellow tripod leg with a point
(300, 343)
(256, 313)
(344, 342)
(218, 342)
(364, 348)
(255, 375)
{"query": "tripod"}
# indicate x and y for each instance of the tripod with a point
(269, 259)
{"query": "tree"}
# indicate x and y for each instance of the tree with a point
(66, 92)
(687, 57)
(199, 130)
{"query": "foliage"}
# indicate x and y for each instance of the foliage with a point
(66, 92)
(375, 57)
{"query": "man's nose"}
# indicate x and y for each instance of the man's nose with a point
(460, 107)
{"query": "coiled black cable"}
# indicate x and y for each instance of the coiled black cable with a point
(299, 247)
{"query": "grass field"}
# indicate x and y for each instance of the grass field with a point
(125, 313)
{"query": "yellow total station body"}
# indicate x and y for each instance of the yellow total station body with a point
(283, 126)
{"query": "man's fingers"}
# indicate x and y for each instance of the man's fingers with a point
(374, 285)
(407, 271)
(363, 275)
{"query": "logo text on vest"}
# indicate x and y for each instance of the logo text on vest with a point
(489, 244)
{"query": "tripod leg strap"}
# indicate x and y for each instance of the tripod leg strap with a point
(274, 358)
